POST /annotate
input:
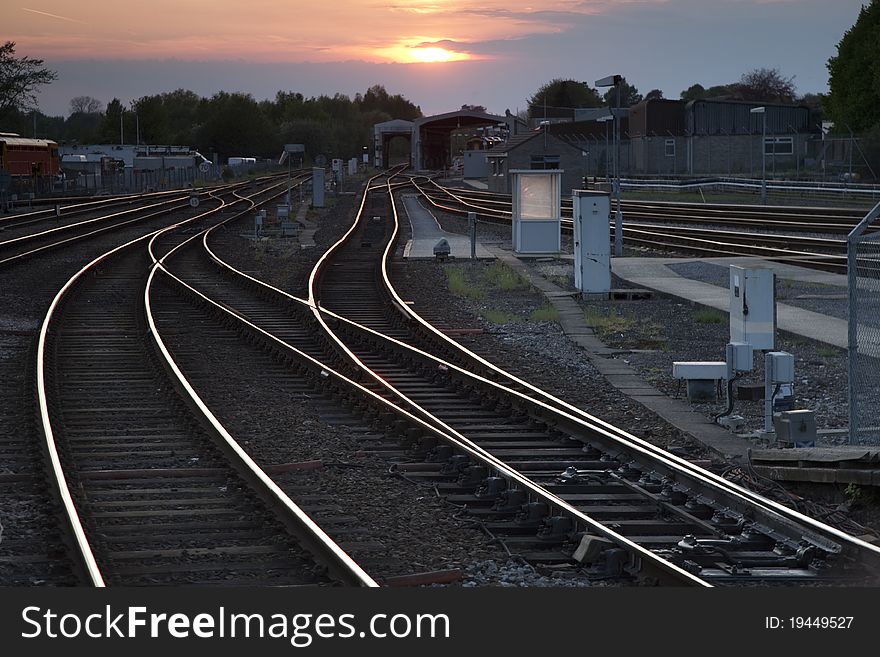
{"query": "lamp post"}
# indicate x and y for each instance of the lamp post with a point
(796, 151)
(614, 81)
(763, 112)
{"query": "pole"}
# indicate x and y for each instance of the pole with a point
(618, 216)
(850, 152)
(472, 230)
(121, 134)
(764, 158)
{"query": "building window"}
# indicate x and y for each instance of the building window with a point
(544, 162)
(778, 146)
(670, 148)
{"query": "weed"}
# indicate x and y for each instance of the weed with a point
(459, 284)
(502, 276)
(546, 314)
(610, 323)
(500, 316)
(709, 316)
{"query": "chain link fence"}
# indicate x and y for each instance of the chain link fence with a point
(863, 255)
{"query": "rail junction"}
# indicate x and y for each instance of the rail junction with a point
(113, 428)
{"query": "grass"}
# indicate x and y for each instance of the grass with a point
(546, 314)
(460, 285)
(638, 335)
(826, 351)
(501, 276)
(610, 323)
(500, 316)
(710, 316)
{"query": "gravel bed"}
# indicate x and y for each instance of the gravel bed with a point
(288, 435)
(659, 331)
(820, 298)
(417, 529)
(29, 524)
(536, 350)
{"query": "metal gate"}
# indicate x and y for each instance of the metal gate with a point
(863, 272)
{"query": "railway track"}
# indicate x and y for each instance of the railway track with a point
(156, 493)
(769, 232)
(698, 522)
(32, 543)
(553, 483)
(550, 482)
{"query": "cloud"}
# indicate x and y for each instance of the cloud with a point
(56, 16)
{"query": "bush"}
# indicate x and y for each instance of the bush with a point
(227, 174)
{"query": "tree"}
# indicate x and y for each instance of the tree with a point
(814, 101)
(473, 108)
(559, 97)
(629, 95)
(19, 79)
(654, 94)
(693, 92)
(766, 85)
(854, 74)
(85, 105)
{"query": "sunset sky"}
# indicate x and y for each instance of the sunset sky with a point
(438, 53)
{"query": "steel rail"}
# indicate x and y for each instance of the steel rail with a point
(317, 539)
(80, 541)
(430, 423)
(700, 245)
(629, 438)
(446, 434)
(783, 524)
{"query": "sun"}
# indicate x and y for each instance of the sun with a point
(432, 55)
(419, 50)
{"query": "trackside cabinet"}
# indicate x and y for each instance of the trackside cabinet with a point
(592, 241)
(537, 198)
(318, 187)
(753, 306)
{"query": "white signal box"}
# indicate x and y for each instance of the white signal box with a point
(592, 242)
(537, 211)
(753, 306)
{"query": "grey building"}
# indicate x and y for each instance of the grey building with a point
(536, 150)
(720, 137)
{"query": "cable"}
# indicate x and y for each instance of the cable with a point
(729, 409)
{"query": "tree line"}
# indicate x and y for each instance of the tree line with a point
(237, 124)
(228, 124)
(559, 96)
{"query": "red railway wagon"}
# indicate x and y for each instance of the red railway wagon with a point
(20, 156)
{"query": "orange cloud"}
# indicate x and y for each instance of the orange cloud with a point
(278, 30)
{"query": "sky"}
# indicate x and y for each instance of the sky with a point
(440, 54)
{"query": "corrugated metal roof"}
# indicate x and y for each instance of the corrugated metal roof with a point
(22, 141)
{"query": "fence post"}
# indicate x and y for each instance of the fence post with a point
(852, 244)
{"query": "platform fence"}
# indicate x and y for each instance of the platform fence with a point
(863, 256)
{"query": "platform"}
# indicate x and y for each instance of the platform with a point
(426, 232)
(652, 273)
